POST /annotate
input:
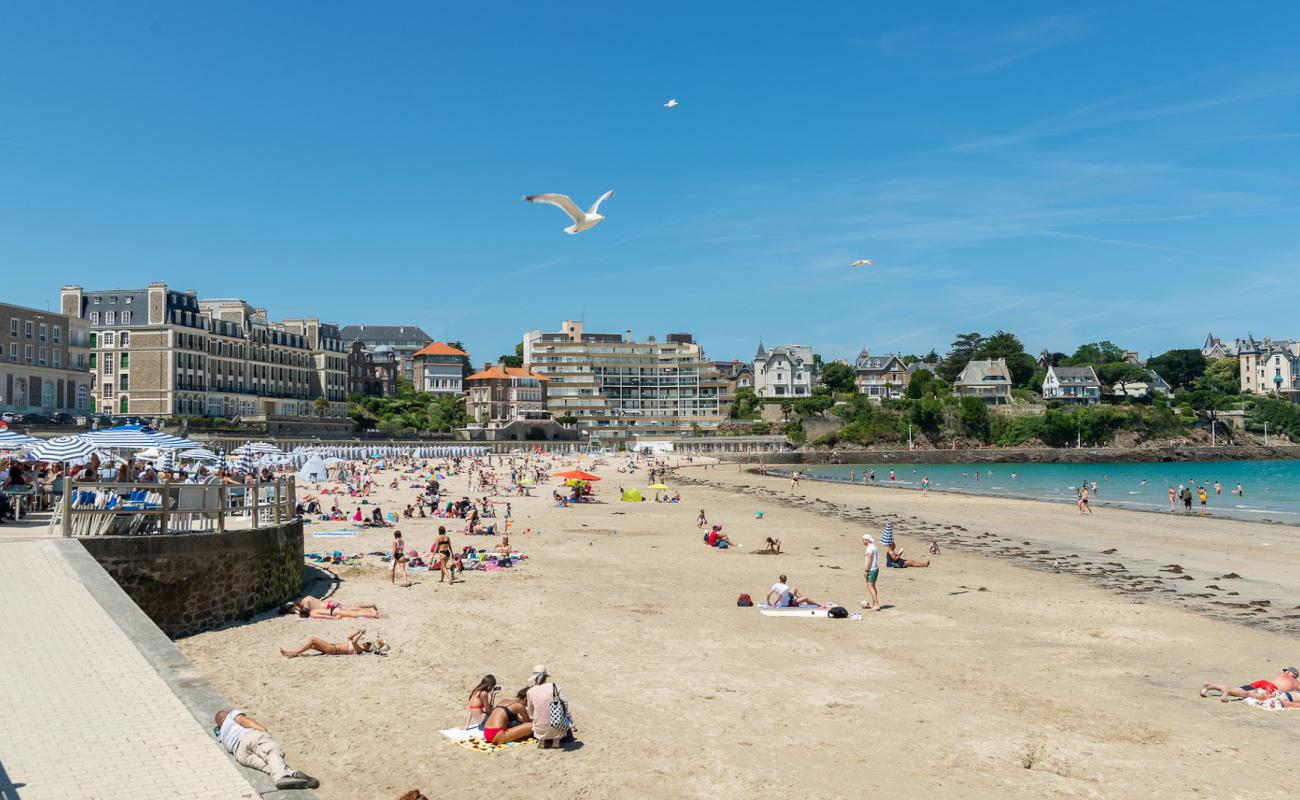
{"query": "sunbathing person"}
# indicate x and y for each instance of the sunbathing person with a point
(789, 597)
(316, 608)
(896, 560)
(481, 698)
(508, 722)
(352, 647)
(1288, 680)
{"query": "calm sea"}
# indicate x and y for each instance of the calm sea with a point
(1271, 489)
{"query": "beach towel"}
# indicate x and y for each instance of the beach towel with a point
(334, 535)
(1271, 704)
(486, 747)
(795, 611)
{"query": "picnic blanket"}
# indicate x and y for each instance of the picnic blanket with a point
(334, 535)
(472, 739)
(793, 611)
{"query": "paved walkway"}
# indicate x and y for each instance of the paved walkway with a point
(83, 713)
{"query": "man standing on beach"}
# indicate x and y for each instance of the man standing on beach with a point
(871, 569)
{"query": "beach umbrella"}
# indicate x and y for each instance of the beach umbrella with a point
(126, 437)
(577, 475)
(245, 463)
(176, 442)
(62, 448)
(12, 440)
(258, 448)
(199, 454)
(168, 461)
(658, 487)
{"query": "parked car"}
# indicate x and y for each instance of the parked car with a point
(35, 419)
(61, 418)
(10, 418)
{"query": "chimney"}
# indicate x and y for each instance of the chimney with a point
(627, 335)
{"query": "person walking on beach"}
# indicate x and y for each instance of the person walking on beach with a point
(925, 485)
(1202, 496)
(1173, 498)
(398, 558)
(251, 745)
(871, 569)
(1083, 500)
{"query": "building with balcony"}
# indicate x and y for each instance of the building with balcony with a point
(1269, 366)
(404, 340)
(1074, 385)
(440, 368)
(43, 362)
(880, 377)
(617, 387)
(785, 371)
(990, 381)
(161, 352)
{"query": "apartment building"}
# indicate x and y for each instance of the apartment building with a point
(617, 387)
(404, 340)
(43, 358)
(440, 368)
(1270, 366)
(163, 352)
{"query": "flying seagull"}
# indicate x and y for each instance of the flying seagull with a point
(671, 103)
(582, 220)
(863, 262)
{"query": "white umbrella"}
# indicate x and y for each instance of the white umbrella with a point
(122, 438)
(12, 440)
(258, 448)
(62, 448)
(199, 454)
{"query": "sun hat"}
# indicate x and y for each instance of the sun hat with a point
(866, 537)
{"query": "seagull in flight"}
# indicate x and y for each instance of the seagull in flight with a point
(863, 262)
(582, 220)
(671, 103)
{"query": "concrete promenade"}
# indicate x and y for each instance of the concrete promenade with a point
(95, 702)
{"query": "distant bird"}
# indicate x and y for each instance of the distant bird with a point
(671, 103)
(863, 262)
(582, 220)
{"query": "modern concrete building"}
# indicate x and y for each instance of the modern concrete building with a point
(880, 377)
(990, 381)
(161, 352)
(43, 362)
(405, 341)
(1270, 366)
(785, 371)
(1075, 385)
(440, 368)
(617, 387)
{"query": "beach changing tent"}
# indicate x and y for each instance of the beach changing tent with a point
(631, 496)
(313, 471)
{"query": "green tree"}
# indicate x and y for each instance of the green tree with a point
(1094, 354)
(745, 404)
(963, 350)
(320, 405)
(1179, 367)
(838, 377)
(928, 414)
(1007, 346)
(931, 357)
(921, 384)
(405, 390)
(1121, 373)
(516, 360)
(1224, 375)
(973, 417)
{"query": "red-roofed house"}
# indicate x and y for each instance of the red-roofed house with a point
(440, 368)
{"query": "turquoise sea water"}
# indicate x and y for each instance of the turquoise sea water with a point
(1271, 489)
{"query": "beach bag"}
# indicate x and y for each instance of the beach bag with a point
(559, 712)
(744, 601)
(838, 612)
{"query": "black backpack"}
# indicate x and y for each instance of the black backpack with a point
(838, 612)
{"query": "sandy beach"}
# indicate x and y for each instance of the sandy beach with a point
(988, 674)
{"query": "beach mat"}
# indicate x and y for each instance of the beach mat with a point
(796, 611)
(335, 535)
(480, 746)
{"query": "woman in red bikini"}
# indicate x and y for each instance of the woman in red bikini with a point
(480, 699)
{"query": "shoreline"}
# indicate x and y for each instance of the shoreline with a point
(1107, 504)
(1029, 455)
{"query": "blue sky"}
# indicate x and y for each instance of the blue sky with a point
(1067, 172)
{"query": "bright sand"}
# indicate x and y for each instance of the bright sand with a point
(1043, 684)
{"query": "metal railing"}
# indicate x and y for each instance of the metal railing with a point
(131, 509)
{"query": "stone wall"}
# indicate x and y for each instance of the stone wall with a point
(191, 582)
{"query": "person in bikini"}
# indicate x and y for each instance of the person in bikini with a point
(442, 551)
(316, 608)
(398, 559)
(352, 647)
(481, 698)
(1285, 682)
(508, 722)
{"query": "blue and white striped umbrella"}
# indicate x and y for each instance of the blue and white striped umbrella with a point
(258, 448)
(122, 438)
(167, 440)
(12, 440)
(199, 454)
(62, 448)
(168, 461)
(245, 463)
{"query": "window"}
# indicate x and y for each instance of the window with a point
(13, 326)
(81, 360)
(13, 352)
(57, 334)
(43, 331)
(47, 394)
(108, 364)
(123, 381)
(108, 338)
(40, 359)
(27, 353)
(123, 338)
(94, 320)
(125, 363)
(27, 329)
(94, 360)
(110, 318)
(126, 317)
(83, 398)
(58, 358)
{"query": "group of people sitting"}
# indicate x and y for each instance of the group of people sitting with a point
(716, 538)
(539, 710)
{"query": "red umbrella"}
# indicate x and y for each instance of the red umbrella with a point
(577, 475)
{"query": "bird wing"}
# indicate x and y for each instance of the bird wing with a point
(560, 201)
(596, 205)
(865, 262)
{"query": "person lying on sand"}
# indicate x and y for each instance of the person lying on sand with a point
(352, 647)
(789, 597)
(1288, 680)
(317, 608)
(508, 722)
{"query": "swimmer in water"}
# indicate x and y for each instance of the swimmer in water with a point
(1013, 476)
